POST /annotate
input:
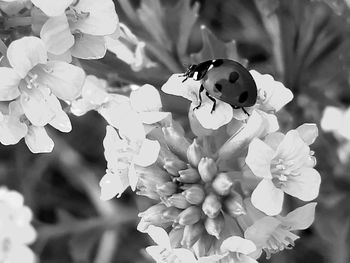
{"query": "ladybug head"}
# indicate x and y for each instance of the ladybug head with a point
(190, 71)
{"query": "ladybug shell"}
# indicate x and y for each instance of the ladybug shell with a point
(231, 83)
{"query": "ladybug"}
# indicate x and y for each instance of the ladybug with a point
(226, 80)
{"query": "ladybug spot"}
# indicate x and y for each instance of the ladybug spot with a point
(243, 97)
(218, 87)
(234, 76)
(218, 62)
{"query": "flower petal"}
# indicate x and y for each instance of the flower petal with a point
(101, 19)
(64, 80)
(9, 81)
(145, 98)
(300, 218)
(95, 90)
(259, 158)
(262, 230)
(20, 253)
(38, 141)
(213, 120)
(148, 153)
(304, 186)
(159, 236)
(52, 7)
(308, 132)
(56, 35)
(238, 244)
(88, 46)
(184, 255)
(156, 252)
(11, 130)
(61, 120)
(81, 106)
(267, 198)
(331, 119)
(25, 53)
(36, 107)
(111, 186)
(188, 89)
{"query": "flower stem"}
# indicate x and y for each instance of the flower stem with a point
(3, 48)
(18, 21)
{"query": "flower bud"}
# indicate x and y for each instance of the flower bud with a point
(175, 236)
(173, 166)
(153, 210)
(211, 205)
(207, 169)
(214, 226)
(195, 194)
(179, 201)
(189, 216)
(166, 189)
(222, 184)
(194, 153)
(191, 234)
(190, 175)
(233, 205)
(171, 213)
(176, 141)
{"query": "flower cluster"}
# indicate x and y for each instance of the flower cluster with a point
(36, 71)
(15, 228)
(220, 193)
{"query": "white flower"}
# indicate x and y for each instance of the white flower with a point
(77, 28)
(272, 234)
(285, 164)
(121, 155)
(16, 232)
(164, 253)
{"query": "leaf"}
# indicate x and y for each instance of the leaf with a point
(214, 48)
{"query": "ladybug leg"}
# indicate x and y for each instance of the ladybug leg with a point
(200, 97)
(243, 109)
(213, 100)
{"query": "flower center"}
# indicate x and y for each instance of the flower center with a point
(279, 240)
(31, 80)
(282, 169)
(75, 16)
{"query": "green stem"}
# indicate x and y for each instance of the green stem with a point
(18, 21)
(3, 48)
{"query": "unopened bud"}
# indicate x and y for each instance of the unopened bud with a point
(195, 194)
(222, 184)
(189, 216)
(152, 211)
(211, 205)
(175, 236)
(173, 166)
(191, 234)
(207, 169)
(179, 201)
(194, 153)
(190, 175)
(176, 141)
(166, 189)
(171, 213)
(233, 205)
(214, 226)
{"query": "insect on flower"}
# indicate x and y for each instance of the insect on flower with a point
(226, 80)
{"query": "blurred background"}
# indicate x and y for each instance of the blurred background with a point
(303, 43)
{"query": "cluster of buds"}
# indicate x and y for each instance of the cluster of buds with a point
(220, 193)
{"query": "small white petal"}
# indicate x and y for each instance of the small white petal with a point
(9, 81)
(111, 186)
(159, 236)
(20, 253)
(38, 141)
(267, 198)
(145, 98)
(184, 255)
(156, 253)
(300, 218)
(308, 132)
(56, 35)
(65, 80)
(11, 130)
(148, 153)
(89, 47)
(61, 120)
(25, 53)
(52, 7)
(94, 90)
(238, 244)
(259, 158)
(304, 186)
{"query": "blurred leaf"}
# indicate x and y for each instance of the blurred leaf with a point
(81, 245)
(338, 6)
(214, 48)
